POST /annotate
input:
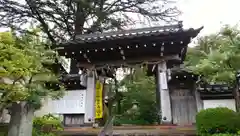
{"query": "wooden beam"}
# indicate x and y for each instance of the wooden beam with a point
(129, 61)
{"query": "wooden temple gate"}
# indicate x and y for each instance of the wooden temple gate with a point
(163, 47)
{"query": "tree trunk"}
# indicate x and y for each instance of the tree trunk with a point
(78, 25)
(21, 121)
(117, 96)
(119, 108)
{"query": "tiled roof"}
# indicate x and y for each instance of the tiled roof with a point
(129, 33)
(215, 88)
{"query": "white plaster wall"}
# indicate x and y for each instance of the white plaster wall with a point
(228, 103)
(72, 102)
(46, 107)
(5, 118)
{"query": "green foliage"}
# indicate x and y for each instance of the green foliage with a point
(216, 56)
(58, 18)
(121, 120)
(3, 129)
(46, 125)
(217, 120)
(224, 135)
(23, 70)
(140, 91)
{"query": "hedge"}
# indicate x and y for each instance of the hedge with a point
(217, 120)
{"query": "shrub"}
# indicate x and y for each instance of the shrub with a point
(122, 120)
(46, 125)
(217, 120)
(3, 129)
(220, 134)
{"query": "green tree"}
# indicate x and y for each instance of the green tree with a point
(216, 57)
(25, 68)
(61, 20)
(140, 91)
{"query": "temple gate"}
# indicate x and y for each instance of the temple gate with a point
(99, 54)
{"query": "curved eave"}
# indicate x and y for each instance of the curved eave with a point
(133, 50)
(194, 34)
(96, 42)
(125, 34)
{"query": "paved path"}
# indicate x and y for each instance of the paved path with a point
(135, 130)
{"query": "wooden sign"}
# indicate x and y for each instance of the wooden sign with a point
(99, 100)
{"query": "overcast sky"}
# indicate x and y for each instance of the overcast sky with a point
(211, 14)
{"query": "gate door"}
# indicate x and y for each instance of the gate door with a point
(183, 107)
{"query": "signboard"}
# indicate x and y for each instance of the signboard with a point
(99, 100)
(73, 102)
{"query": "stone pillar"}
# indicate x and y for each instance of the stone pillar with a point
(89, 116)
(166, 113)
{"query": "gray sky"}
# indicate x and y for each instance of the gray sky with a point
(211, 14)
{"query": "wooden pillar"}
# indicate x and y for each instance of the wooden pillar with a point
(237, 97)
(199, 101)
(164, 94)
(89, 116)
(158, 98)
(236, 91)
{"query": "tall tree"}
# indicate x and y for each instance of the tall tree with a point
(25, 78)
(61, 20)
(216, 57)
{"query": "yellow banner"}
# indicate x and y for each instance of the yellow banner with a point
(99, 100)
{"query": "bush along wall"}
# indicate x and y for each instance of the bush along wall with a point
(218, 121)
(3, 129)
(48, 125)
(225, 135)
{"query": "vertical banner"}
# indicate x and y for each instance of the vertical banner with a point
(99, 100)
